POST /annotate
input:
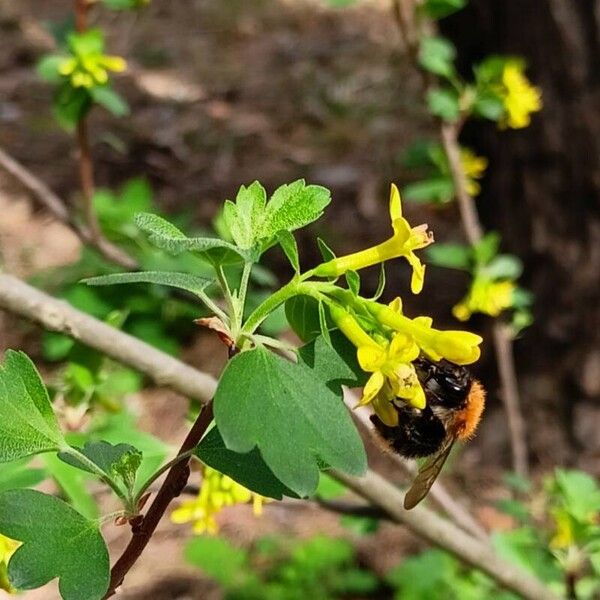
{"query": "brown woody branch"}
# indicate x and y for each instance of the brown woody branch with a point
(21, 299)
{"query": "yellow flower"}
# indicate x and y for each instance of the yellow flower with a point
(485, 296)
(519, 97)
(404, 242)
(7, 549)
(474, 167)
(392, 372)
(564, 536)
(90, 70)
(460, 347)
(217, 492)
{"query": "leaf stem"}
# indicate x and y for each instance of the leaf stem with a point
(243, 290)
(105, 477)
(160, 471)
(213, 306)
(228, 295)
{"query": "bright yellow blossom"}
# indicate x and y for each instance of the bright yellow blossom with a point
(460, 347)
(7, 549)
(485, 296)
(404, 242)
(88, 66)
(474, 167)
(519, 97)
(217, 492)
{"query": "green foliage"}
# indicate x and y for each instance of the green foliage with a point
(290, 413)
(125, 4)
(20, 474)
(321, 568)
(436, 55)
(248, 469)
(437, 9)
(451, 256)
(28, 425)
(444, 103)
(57, 542)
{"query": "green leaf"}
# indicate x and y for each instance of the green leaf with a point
(27, 423)
(248, 469)
(288, 243)
(326, 252)
(488, 105)
(380, 283)
(580, 493)
(183, 281)
(323, 325)
(290, 414)
(451, 256)
(245, 217)
(353, 281)
(105, 96)
(293, 206)
(487, 248)
(436, 54)
(18, 474)
(435, 189)
(74, 485)
(125, 4)
(302, 313)
(57, 542)
(437, 9)
(504, 266)
(329, 488)
(47, 67)
(218, 559)
(117, 461)
(70, 105)
(166, 236)
(444, 103)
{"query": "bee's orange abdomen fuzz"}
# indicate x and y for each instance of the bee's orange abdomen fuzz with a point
(468, 418)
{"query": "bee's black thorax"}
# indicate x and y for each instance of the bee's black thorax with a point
(423, 432)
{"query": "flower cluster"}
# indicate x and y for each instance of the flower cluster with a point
(7, 549)
(217, 492)
(388, 343)
(87, 65)
(474, 168)
(485, 296)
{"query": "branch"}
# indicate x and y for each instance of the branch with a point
(24, 300)
(405, 15)
(59, 210)
(173, 485)
(431, 527)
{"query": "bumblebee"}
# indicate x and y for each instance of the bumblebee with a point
(455, 402)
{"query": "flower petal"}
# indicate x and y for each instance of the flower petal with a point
(418, 274)
(395, 203)
(385, 410)
(370, 358)
(372, 388)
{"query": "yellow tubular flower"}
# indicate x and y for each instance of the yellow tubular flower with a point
(88, 70)
(217, 492)
(485, 296)
(460, 347)
(7, 548)
(520, 98)
(474, 167)
(404, 242)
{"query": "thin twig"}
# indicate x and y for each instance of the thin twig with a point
(174, 483)
(449, 135)
(352, 509)
(59, 210)
(24, 300)
(439, 532)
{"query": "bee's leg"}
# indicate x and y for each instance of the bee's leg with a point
(418, 433)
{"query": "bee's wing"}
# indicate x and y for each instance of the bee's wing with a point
(428, 473)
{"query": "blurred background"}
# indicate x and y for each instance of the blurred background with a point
(223, 93)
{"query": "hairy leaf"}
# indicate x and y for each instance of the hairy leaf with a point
(182, 281)
(57, 542)
(27, 423)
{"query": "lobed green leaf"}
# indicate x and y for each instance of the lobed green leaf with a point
(57, 542)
